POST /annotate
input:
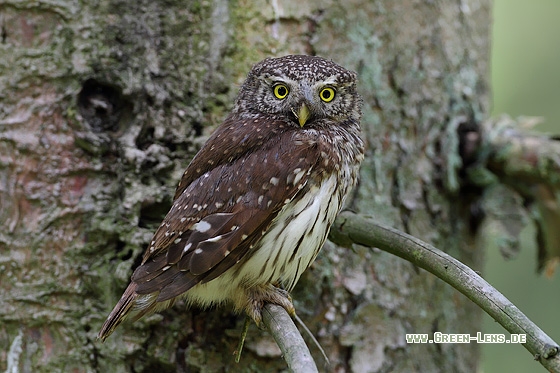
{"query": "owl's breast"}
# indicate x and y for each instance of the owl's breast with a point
(295, 236)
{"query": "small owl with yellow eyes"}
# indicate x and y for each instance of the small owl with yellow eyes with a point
(255, 205)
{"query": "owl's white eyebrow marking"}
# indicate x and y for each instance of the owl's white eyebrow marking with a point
(328, 80)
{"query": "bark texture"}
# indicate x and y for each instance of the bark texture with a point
(104, 103)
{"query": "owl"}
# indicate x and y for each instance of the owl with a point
(255, 205)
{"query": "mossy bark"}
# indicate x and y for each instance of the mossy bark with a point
(103, 104)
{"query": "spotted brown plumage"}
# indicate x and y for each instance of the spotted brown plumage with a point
(254, 206)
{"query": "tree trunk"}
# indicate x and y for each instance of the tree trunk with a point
(102, 106)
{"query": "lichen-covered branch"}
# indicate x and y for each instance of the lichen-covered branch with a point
(519, 155)
(350, 227)
(506, 151)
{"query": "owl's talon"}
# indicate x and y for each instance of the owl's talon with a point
(260, 295)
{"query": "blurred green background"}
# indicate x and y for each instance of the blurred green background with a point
(525, 81)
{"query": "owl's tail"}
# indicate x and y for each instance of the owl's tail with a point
(131, 305)
(120, 312)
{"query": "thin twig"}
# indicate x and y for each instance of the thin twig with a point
(310, 335)
(289, 339)
(350, 227)
(242, 338)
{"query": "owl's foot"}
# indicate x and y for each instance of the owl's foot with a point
(258, 296)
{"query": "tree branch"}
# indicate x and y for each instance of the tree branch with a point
(289, 339)
(350, 227)
(529, 163)
(519, 155)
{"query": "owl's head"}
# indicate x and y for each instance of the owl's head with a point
(303, 90)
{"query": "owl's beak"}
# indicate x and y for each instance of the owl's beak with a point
(302, 114)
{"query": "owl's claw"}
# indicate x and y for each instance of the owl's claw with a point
(261, 295)
(257, 298)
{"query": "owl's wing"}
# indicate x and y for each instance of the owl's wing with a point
(232, 140)
(220, 215)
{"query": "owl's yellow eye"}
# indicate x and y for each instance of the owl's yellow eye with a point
(280, 91)
(327, 94)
